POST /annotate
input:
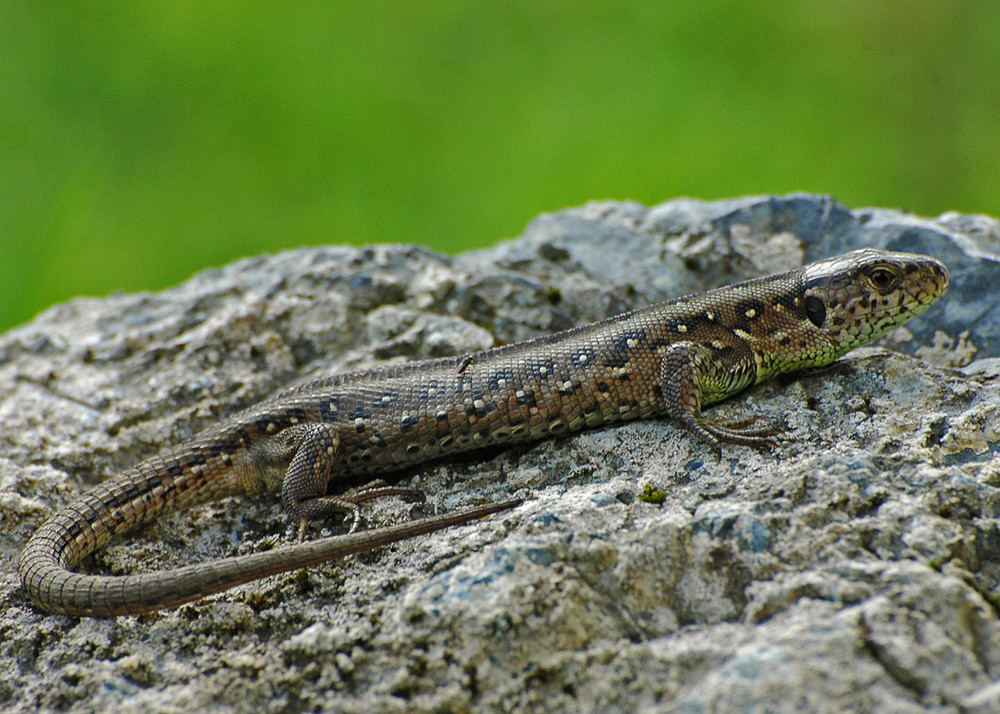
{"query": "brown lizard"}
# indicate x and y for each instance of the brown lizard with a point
(668, 359)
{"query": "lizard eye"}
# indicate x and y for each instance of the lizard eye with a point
(815, 310)
(883, 279)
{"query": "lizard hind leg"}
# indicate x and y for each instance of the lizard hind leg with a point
(349, 503)
(315, 449)
(377, 489)
(380, 488)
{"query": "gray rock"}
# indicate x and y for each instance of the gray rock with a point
(854, 569)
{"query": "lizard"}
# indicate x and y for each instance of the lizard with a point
(665, 359)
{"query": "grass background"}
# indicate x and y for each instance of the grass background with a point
(142, 141)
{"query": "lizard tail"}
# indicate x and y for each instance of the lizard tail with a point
(53, 587)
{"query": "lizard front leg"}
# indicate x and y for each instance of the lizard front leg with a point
(689, 372)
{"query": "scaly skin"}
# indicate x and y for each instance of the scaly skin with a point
(667, 359)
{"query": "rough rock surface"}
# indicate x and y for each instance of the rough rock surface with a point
(855, 568)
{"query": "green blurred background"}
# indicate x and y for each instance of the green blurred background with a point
(142, 141)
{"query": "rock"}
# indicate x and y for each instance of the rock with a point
(853, 569)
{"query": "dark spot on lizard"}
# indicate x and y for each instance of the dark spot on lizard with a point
(629, 340)
(224, 445)
(567, 388)
(111, 501)
(527, 398)
(359, 417)
(542, 369)
(690, 323)
(387, 399)
(749, 309)
(506, 376)
(192, 460)
(243, 438)
(786, 300)
(617, 360)
(431, 389)
(721, 352)
(329, 409)
(583, 358)
(269, 424)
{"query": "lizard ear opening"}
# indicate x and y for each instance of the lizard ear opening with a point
(815, 310)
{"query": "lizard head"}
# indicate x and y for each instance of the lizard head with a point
(859, 296)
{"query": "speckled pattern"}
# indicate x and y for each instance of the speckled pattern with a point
(667, 359)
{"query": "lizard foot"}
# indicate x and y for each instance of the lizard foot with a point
(740, 432)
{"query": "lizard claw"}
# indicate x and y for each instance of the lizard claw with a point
(737, 432)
